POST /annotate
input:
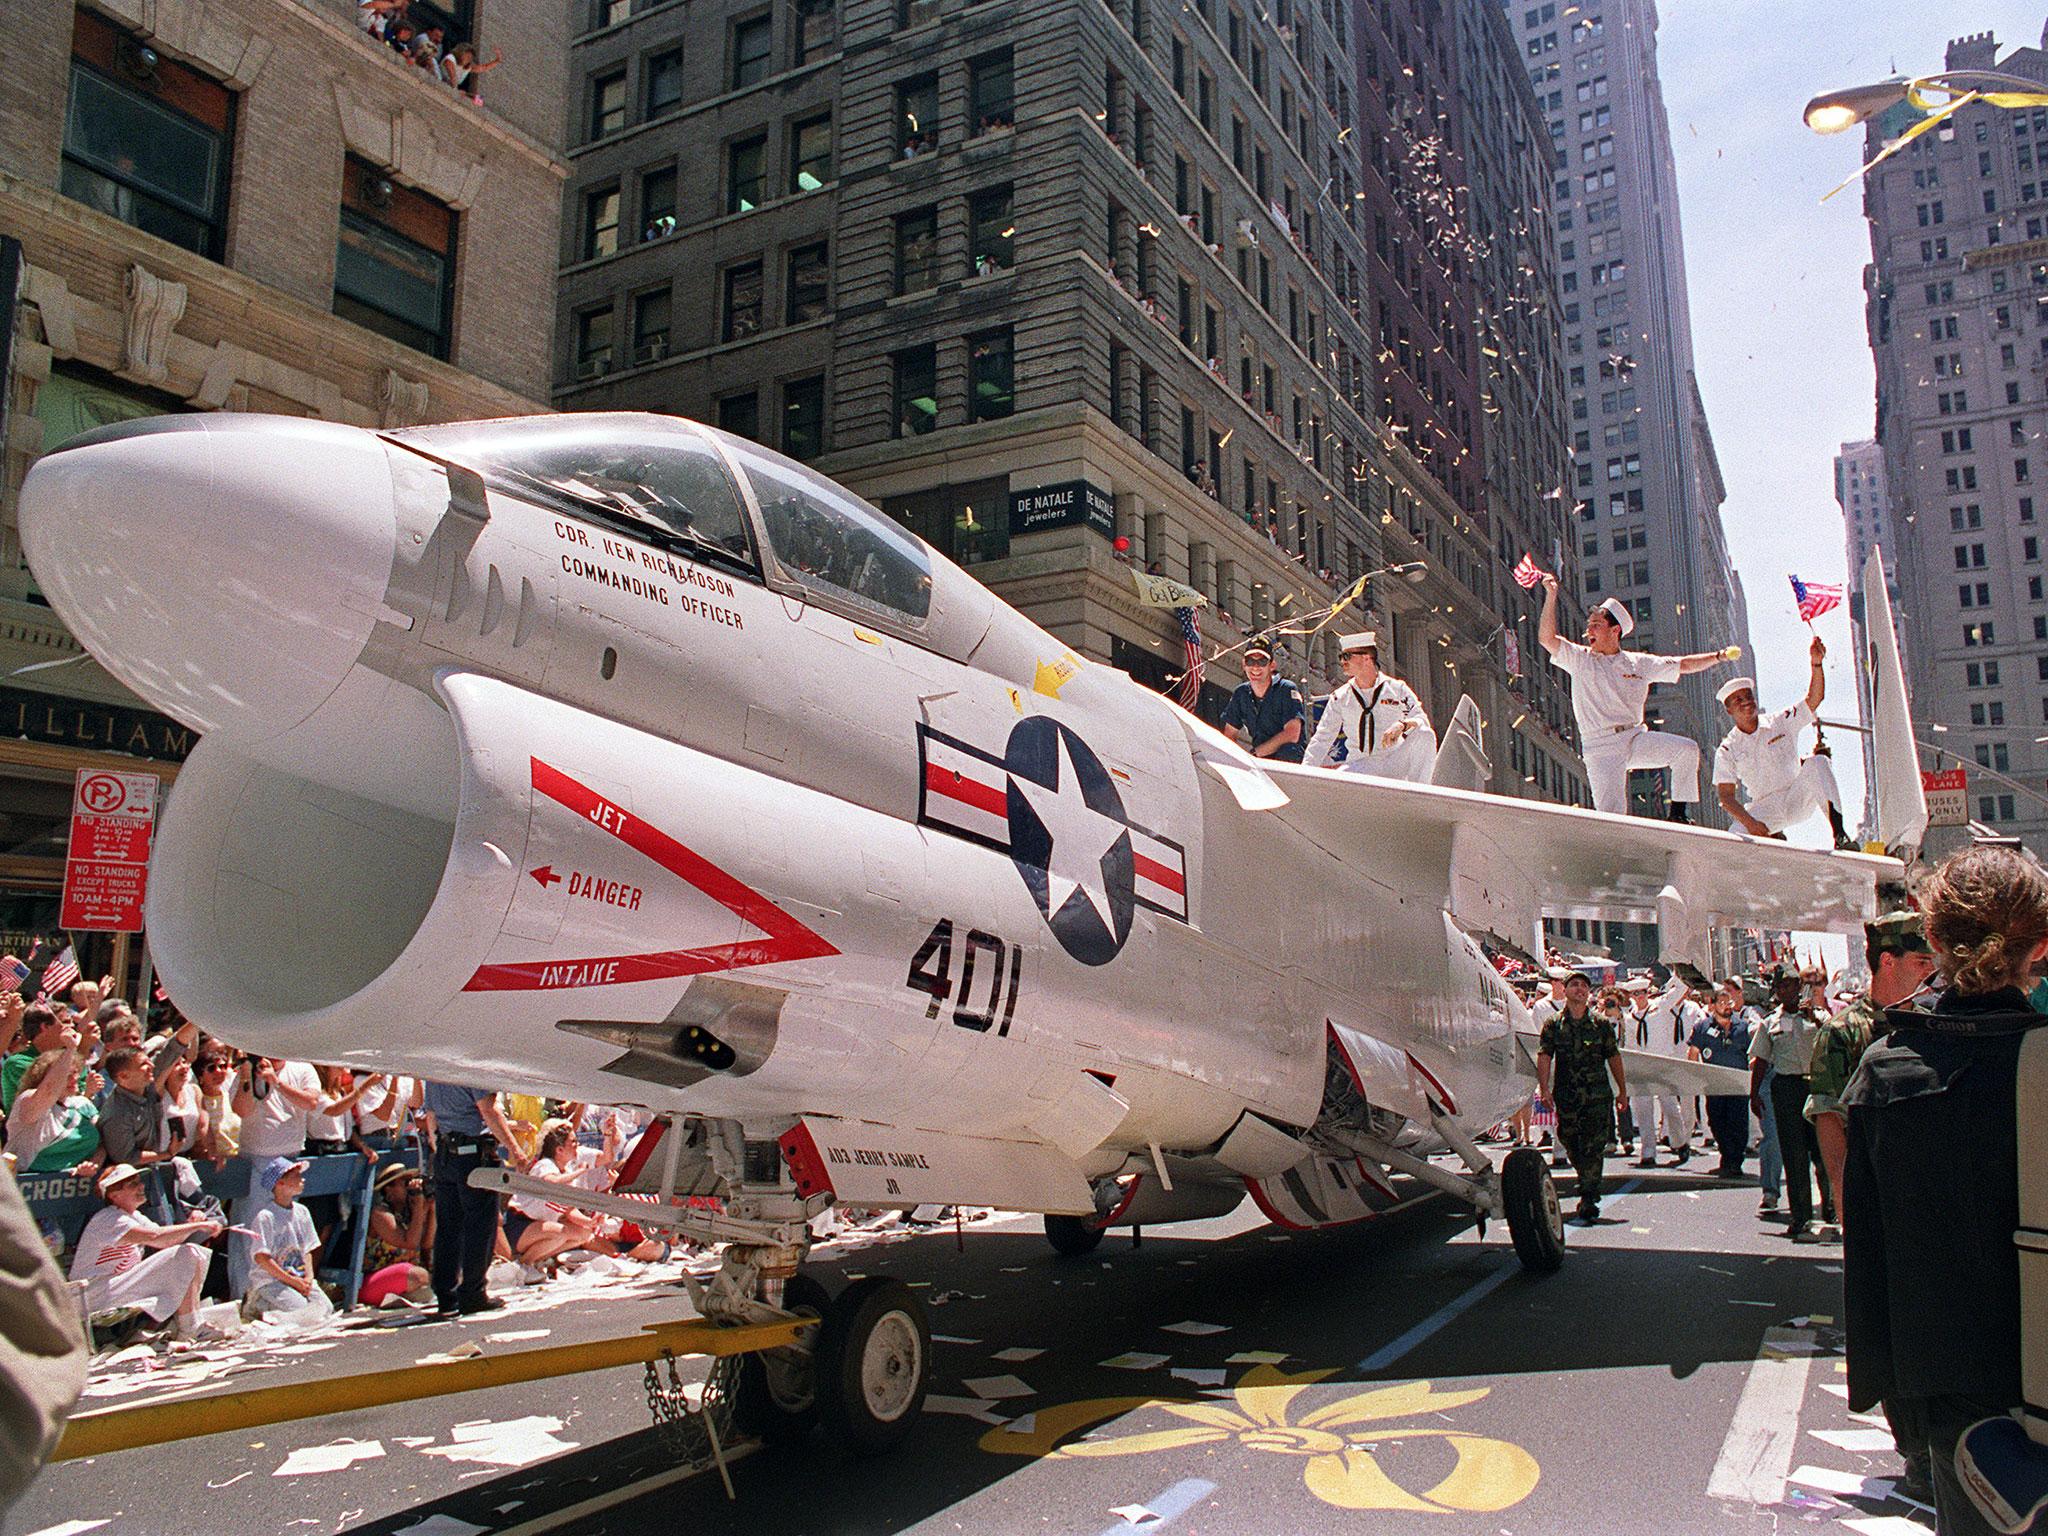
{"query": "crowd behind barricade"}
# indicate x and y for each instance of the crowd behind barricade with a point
(424, 44)
(195, 1162)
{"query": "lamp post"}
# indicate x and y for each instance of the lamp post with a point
(1837, 110)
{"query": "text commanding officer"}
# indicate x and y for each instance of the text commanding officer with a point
(1265, 714)
(1572, 1071)
(1386, 732)
(1761, 754)
(1610, 686)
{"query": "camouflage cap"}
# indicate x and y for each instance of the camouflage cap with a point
(1897, 932)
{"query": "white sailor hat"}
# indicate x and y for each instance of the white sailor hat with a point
(1617, 610)
(1559, 973)
(1636, 984)
(1362, 640)
(1733, 686)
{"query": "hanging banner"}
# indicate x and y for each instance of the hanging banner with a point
(1165, 592)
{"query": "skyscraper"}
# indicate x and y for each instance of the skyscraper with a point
(1647, 486)
(1958, 322)
(1860, 492)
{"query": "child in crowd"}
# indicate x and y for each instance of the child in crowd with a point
(284, 1284)
(111, 1258)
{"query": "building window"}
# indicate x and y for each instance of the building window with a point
(991, 378)
(991, 236)
(607, 103)
(810, 154)
(658, 204)
(810, 271)
(752, 46)
(917, 250)
(594, 343)
(917, 116)
(741, 415)
(742, 302)
(394, 264)
(664, 82)
(816, 34)
(651, 316)
(746, 174)
(917, 389)
(600, 222)
(147, 143)
(989, 103)
(803, 417)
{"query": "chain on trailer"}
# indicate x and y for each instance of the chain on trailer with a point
(695, 1421)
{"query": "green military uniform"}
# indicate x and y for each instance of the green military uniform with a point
(1840, 1046)
(1579, 1050)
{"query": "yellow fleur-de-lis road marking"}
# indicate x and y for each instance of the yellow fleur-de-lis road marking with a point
(1486, 1475)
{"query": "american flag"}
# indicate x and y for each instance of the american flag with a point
(1189, 693)
(120, 1257)
(1528, 572)
(13, 970)
(1815, 598)
(61, 973)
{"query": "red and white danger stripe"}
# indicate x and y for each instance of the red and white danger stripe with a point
(1160, 872)
(964, 791)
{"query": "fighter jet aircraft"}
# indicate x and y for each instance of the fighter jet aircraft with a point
(616, 757)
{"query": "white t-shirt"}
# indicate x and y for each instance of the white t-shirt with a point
(108, 1245)
(1609, 692)
(379, 1111)
(287, 1234)
(1765, 760)
(277, 1127)
(330, 1127)
(539, 1207)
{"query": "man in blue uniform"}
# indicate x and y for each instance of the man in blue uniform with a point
(1265, 715)
(1722, 1040)
(469, 1133)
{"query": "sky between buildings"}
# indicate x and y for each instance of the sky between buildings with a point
(1776, 281)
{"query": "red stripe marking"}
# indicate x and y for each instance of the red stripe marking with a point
(1443, 1094)
(957, 786)
(1159, 874)
(786, 938)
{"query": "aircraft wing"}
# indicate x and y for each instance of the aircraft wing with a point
(1499, 865)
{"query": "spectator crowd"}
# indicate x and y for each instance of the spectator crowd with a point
(423, 43)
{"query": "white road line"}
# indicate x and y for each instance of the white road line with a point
(1756, 1456)
(597, 1503)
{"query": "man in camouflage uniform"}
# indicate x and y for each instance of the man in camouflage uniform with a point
(1578, 1050)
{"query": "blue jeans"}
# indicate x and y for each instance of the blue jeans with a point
(1770, 1164)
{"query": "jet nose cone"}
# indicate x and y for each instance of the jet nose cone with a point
(227, 568)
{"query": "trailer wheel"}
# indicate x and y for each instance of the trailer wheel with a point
(1535, 1219)
(873, 1365)
(775, 1396)
(1072, 1236)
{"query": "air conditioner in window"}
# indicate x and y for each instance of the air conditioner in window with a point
(595, 366)
(652, 350)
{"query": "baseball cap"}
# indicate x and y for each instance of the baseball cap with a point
(116, 1174)
(1258, 648)
(275, 1169)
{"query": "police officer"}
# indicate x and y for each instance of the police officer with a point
(1265, 714)
(1721, 1039)
(1386, 732)
(1782, 1046)
(469, 1132)
(1573, 1067)
(1760, 755)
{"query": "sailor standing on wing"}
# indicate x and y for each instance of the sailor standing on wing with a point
(1385, 730)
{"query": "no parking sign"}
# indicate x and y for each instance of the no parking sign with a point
(106, 867)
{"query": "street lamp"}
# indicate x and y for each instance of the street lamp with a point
(1835, 111)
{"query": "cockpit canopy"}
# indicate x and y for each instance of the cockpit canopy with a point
(672, 480)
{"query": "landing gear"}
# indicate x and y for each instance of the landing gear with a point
(1535, 1219)
(873, 1365)
(1072, 1236)
(775, 1396)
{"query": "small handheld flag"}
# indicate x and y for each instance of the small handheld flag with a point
(1528, 573)
(1814, 598)
(1190, 691)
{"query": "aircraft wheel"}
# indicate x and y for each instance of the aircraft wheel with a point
(1072, 1236)
(775, 1396)
(1535, 1219)
(873, 1365)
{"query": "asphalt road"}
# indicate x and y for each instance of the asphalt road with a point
(1670, 1378)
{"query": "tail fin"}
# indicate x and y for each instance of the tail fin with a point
(1461, 760)
(1893, 760)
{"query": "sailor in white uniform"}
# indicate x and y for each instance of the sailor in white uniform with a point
(1660, 1023)
(1761, 756)
(1386, 732)
(1609, 688)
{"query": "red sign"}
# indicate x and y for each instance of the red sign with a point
(1948, 796)
(106, 869)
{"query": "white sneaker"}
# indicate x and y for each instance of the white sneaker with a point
(1770, 1203)
(530, 1275)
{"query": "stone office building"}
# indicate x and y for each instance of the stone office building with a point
(1033, 276)
(241, 205)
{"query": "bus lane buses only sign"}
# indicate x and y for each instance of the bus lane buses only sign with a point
(106, 868)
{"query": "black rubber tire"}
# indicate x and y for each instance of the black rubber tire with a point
(763, 1404)
(875, 1336)
(1072, 1236)
(1535, 1219)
